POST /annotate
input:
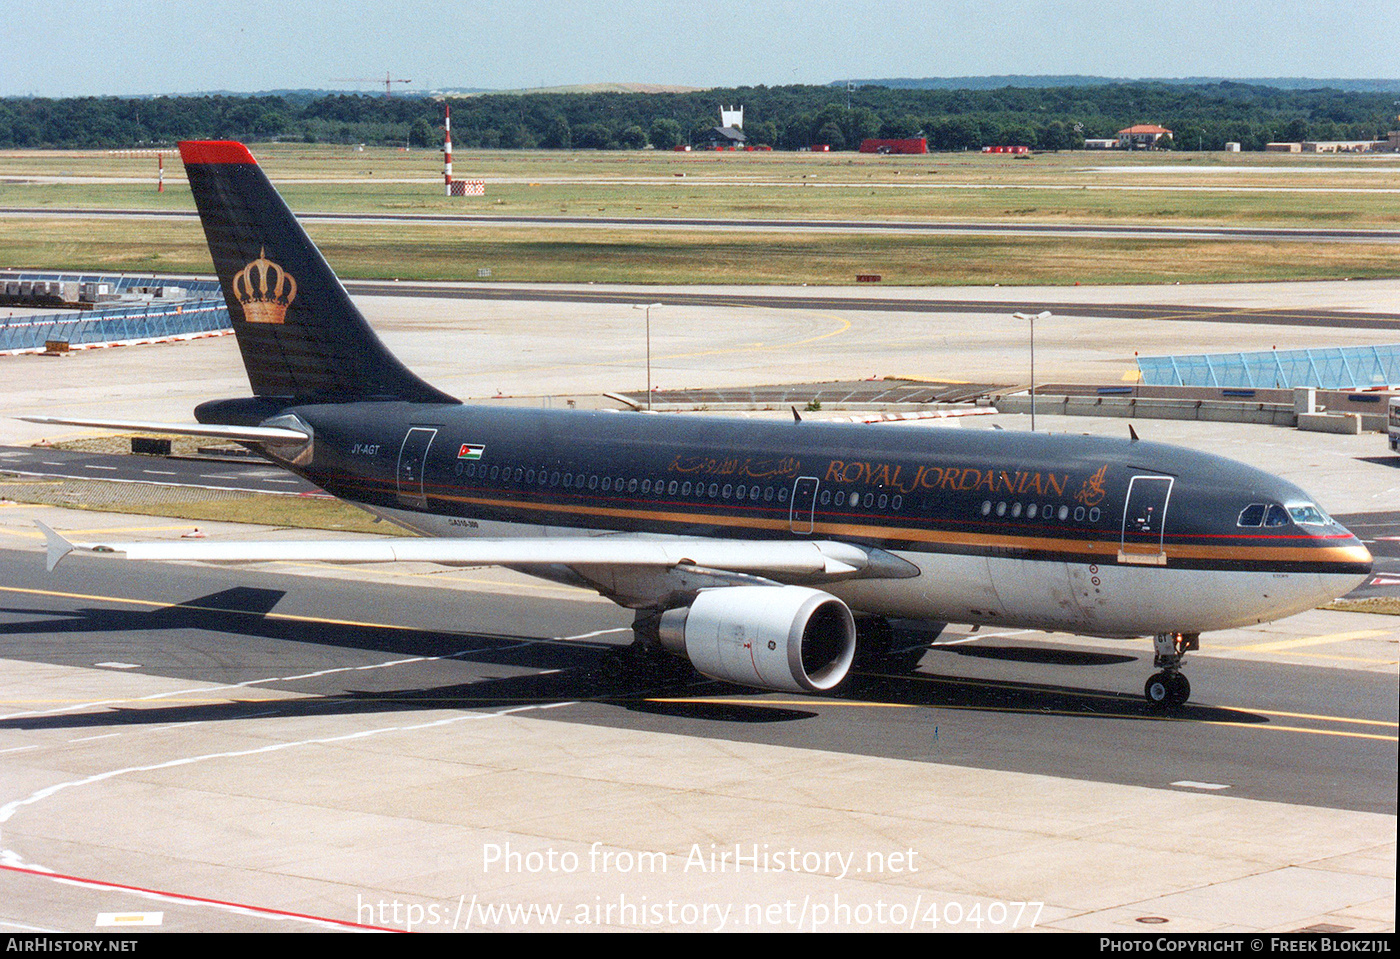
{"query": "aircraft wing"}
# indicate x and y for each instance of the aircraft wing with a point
(251, 434)
(818, 559)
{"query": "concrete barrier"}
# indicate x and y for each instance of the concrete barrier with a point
(1345, 423)
(1222, 411)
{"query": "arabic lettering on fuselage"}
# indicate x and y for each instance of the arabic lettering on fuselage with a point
(784, 468)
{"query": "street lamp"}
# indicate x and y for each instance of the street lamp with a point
(1026, 316)
(648, 307)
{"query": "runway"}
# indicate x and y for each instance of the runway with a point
(914, 227)
(1268, 316)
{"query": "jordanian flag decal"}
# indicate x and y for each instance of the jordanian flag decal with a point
(471, 451)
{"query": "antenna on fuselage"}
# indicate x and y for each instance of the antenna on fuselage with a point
(1132, 433)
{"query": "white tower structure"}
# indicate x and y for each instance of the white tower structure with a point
(731, 117)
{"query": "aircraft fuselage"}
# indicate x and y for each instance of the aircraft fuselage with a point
(1085, 534)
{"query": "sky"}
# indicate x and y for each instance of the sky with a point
(59, 48)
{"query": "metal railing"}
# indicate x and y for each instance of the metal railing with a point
(201, 311)
(1331, 368)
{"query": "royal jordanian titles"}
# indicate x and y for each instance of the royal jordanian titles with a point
(762, 552)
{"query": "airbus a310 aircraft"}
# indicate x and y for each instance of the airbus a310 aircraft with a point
(749, 548)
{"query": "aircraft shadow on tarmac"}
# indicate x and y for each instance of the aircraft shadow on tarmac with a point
(559, 671)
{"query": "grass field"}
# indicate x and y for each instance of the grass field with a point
(588, 255)
(1079, 187)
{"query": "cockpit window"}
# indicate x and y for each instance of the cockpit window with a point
(1272, 514)
(1306, 514)
(1252, 515)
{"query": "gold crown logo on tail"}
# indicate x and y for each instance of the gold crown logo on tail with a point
(264, 290)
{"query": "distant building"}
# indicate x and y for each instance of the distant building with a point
(729, 135)
(1336, 146)
(724, 138)
(1142, 136)
(1101, 144)
(1346, 146)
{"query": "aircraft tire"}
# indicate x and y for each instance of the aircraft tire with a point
(1165, 690)
(1178, 689)
(1156, 690)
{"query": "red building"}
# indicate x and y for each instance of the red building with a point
(911, 145)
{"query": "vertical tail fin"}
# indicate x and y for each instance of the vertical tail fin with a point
(301, 336)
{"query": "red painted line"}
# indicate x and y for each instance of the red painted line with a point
(201, 900)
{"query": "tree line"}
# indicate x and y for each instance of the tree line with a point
(1203, 117)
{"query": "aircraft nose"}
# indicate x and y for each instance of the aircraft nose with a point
(1359, 554)
(1352, 563)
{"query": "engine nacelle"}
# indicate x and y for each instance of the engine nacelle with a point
(787, 638)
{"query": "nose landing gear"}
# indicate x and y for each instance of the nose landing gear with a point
(1170, 688)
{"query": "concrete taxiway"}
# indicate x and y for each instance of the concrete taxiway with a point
(289, 747)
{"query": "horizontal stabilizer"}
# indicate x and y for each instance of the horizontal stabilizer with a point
(247, 434)
(58, 547)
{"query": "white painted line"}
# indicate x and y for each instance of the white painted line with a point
(94, 466)
(596, 632)
(240, 685)
(115, 665)
(973, 637)
(1192, 784)
(88, 739)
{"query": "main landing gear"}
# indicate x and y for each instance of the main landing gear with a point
(1170, 687)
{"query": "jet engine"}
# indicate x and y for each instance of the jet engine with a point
(787, 638)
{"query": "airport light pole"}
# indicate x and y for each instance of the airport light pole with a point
(648, 307)
(1045, 314)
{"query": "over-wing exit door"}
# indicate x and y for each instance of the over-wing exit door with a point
(804, 504)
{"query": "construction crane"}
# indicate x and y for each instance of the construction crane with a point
(388, 80)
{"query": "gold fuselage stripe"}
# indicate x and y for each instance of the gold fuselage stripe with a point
(1091, 548)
